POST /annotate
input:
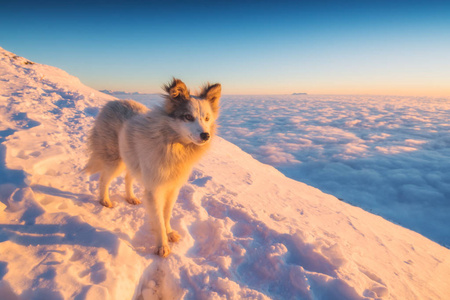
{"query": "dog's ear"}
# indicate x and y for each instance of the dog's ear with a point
(177, 90)
(177, 93)
(212, 93)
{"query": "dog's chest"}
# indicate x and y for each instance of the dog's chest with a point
(176, 162)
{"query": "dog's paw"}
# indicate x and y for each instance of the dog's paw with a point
(106, 203)
(133, 200)
(163, 250)
(173, 236)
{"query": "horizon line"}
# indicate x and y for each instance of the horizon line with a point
(291, 94)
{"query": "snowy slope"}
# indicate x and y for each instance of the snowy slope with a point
(248, 231)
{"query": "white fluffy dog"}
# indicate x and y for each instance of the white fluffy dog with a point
(158, 147)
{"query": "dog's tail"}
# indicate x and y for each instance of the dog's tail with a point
(93, 166)
(95, 163)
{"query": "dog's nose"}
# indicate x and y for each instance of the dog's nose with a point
(204, 136)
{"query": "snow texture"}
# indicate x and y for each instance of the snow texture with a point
(248, 232)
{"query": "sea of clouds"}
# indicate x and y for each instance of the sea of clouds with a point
(386, 154)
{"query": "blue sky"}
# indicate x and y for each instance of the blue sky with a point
(251, 47)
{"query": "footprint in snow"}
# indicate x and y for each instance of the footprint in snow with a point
(199, 179)
(277, 217)
(21, 119)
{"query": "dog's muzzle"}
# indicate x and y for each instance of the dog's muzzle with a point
(204, 136)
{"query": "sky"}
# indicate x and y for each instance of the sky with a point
(250, 47)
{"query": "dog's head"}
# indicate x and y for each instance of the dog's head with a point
(194, 116)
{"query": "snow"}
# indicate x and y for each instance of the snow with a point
(247, 230)
(388, 155)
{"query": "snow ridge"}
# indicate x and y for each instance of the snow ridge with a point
(248, 231)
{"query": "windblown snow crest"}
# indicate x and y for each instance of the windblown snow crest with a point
(248, 231)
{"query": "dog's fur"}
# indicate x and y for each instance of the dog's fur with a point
(158, 147)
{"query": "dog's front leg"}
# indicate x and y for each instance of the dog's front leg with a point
(172, 235)
(155, 206)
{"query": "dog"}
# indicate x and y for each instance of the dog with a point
(157, 147)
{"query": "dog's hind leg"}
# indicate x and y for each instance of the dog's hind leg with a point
(107, 174)
(172, 235)
(129, 194)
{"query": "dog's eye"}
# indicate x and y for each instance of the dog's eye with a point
(189, 117)
(207, 119)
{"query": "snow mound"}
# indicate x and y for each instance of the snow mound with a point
(247, 230)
